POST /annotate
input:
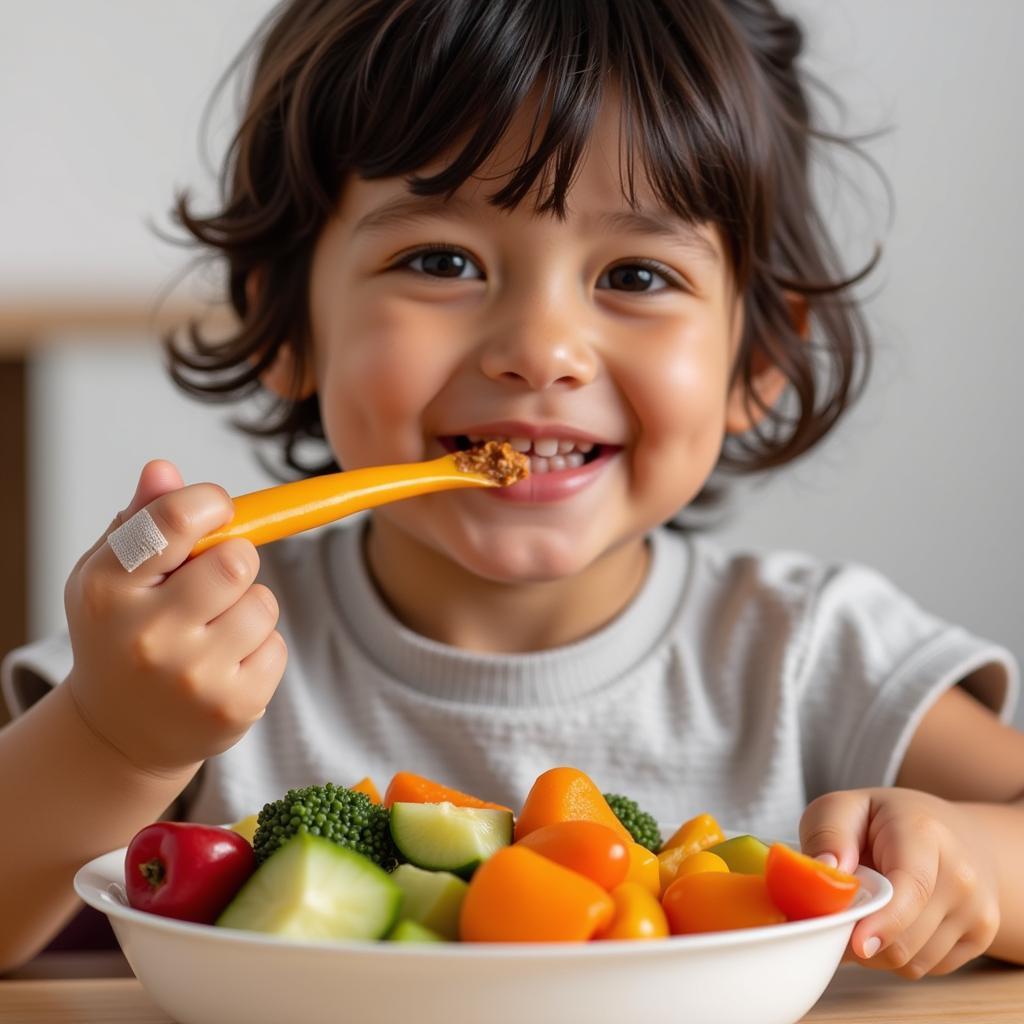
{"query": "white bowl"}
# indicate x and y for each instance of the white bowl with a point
(200, 974)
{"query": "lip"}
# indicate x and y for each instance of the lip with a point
(555, 485)
(518, 428)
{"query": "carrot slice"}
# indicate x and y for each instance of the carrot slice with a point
(407, 788)
(566, 794)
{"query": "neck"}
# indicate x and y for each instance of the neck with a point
(491, 617)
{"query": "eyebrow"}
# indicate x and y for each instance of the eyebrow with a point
(406, 209)
(665, 225)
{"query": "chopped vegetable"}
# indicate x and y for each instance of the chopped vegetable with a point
(334, 812)
(566, 794)
(745, 854)
(713, 901)
(443, 837)
(405, 787)
(186, 871)
(431, 898)
(638, 915)
(520, 896)
(311, 889)
(804, 887)
(586, 847)
(640, 825)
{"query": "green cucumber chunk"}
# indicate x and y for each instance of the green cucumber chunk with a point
(431, 898)
(746, 855)
(410, 931)
(311, 889)
(443, 837)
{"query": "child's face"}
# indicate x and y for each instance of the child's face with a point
(606, 329)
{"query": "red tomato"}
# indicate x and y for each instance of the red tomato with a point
(191, 872)
(801, 886)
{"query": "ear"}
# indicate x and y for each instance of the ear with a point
(282, 377)
(744, 411)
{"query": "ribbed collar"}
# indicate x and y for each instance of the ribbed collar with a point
(550, 677)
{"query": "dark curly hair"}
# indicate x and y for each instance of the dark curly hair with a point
(716, 115)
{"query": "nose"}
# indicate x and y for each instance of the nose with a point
(540, 350)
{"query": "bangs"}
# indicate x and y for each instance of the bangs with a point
(441, 82)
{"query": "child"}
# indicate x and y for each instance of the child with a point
(588, 228)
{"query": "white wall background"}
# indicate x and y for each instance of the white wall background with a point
(100, 104)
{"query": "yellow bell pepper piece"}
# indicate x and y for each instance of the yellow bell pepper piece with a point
(366, 785)
(638, 914)
(702, 860)
(643, 868)
(246, 827)
(695, 834)
(277, 512)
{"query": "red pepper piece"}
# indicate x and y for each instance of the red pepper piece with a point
(186, 871)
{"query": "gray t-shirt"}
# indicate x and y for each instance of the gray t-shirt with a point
(737, 684)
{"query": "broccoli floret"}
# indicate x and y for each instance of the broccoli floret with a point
(334, 812)
(639, 824)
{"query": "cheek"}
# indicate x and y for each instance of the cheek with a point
(678, 396)
(377, 375)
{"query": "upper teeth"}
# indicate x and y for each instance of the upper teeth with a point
(545, 447)
(547, 454)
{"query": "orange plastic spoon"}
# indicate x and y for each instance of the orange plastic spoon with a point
(277, 512)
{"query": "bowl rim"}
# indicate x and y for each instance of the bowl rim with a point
(100, 884)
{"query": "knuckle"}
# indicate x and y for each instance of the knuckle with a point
(146, 650)
(915, 970)
(174, 516)
(965, 879)
(266, 599)
(233, 563)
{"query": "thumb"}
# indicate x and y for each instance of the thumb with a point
(834, 828)
(158, 476)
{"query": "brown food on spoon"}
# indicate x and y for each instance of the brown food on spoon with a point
(496, 459)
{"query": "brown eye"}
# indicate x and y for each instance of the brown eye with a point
(633, 277)
(446, 263)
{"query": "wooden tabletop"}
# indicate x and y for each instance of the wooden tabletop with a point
(80, 989)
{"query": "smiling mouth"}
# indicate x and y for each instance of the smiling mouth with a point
(546, 454)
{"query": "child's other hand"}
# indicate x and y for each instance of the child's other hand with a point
(944, 910)
(175, 661)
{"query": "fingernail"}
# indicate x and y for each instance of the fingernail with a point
(871, 947)
(829, 859)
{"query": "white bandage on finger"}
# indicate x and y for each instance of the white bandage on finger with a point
(137, 540)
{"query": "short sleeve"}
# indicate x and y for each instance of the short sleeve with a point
(873, 664)
(28, 673)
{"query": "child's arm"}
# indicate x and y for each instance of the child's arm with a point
(172, 663)
(949, 839)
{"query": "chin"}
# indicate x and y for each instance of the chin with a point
(513, 558)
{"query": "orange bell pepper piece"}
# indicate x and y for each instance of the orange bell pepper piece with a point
(801, 886)
(643, 868)
(275, 512)
(517, 895)
(713, 901)
(586, 847)
(366, 785)
(566, 794)
(407, 788)
(638, 915)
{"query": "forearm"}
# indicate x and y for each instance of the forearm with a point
(72, 797)
(1003, 827)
